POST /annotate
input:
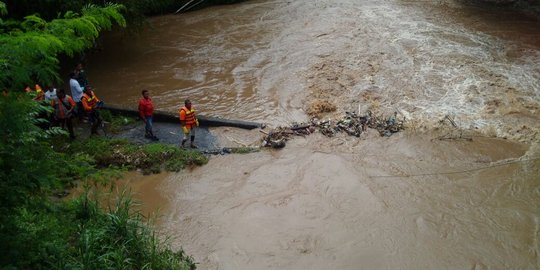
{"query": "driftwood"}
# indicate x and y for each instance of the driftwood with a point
(351, 123)
(303, 126)
(454, 134)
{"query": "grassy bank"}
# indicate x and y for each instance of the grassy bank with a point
(40, 231)
(79, 234)
(103, 153)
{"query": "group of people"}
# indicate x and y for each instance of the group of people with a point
(188, 119)
(84, 105)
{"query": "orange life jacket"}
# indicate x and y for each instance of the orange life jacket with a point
(89, 101)
(188, 116)
(62, 106)
(40, 94)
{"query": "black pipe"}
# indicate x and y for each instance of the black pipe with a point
(209, 121)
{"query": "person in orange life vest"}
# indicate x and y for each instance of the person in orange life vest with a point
(91, 103)
(189, 121)
(40, 95)
(64, 106)
(146, 112)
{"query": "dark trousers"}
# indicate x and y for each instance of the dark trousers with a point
(95, 119)
(66, 122)
(80, 110)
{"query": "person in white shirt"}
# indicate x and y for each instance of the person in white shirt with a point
(50, 94)
(76, 93)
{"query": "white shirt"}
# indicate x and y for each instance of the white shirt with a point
(49, 95)
(76, 90)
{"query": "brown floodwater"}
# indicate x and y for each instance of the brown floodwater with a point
(146, 192)
(410, 201)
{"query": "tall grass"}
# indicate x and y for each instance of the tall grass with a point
(119, 239)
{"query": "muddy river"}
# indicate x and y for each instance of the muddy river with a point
(409, 201)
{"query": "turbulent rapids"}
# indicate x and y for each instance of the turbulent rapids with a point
(422, 198)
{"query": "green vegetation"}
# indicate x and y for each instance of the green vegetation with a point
(117, 122)
(116, 153)
(37, 230)
(31, 47)
(79, 234)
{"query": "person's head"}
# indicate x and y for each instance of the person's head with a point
(145, 93)
(187, 103)
(72, 75)
(79, 66)
(88, 89)
(61, 93)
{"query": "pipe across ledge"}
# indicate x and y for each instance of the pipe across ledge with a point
(209, 121)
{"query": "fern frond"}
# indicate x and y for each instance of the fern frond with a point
(33, 22)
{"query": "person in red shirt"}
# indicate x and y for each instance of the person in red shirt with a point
(146, 112)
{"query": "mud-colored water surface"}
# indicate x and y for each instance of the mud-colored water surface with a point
(410, 201)
(397, 203)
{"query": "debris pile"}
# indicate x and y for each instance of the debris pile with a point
(277, 137)
(352, 124)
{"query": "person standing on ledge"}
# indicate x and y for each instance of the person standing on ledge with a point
(189, 121)
(146, 112)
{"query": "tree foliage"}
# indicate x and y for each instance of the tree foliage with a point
(29, 49)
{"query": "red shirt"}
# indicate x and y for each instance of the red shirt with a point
(146, 108)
